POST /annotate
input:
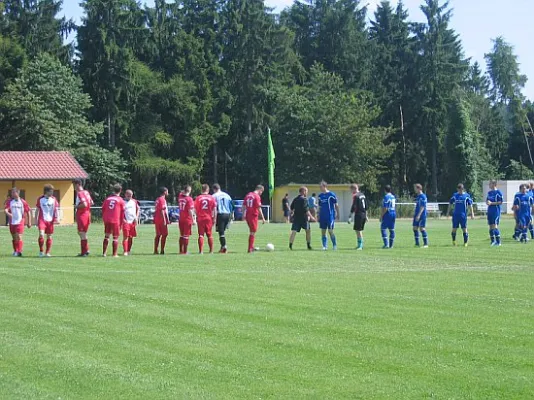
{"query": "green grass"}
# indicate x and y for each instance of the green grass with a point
(443, 322)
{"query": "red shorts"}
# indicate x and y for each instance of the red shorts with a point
(252, 224)
(47, 227)
(205, 227)
(19, 228)
(186, 228)
(112, 228)
(83, 221)
(161, 229)
(129, 230)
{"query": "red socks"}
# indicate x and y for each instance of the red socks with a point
(130, 244)
(251, 243)
(115, 246)
(201, 244)
(125, 245)
(163, 243)
(210, 243)
(48, 245)
(85, 246)
(41, 242)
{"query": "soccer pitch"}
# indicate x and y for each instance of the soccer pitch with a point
(406, 323)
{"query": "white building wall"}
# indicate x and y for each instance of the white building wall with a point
(508, 189)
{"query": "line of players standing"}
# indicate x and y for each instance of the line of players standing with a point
(461, 202)
(206, 210)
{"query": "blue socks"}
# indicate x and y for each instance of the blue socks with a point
(466, 237)
(453, 234)
(334, 241)
(416, 235)
(324, 240)
(360, 243)
(497, 236)
(391, 237)
(425, 238)
(531, 229)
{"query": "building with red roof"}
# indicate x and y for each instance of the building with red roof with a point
(29, 171)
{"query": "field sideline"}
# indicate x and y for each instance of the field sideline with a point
(406, 323)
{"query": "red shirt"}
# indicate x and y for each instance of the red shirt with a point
(204, 206)
(113, 210)
(186, 205)
(252, 203)
(48, 209)
(161, 216)
(83, 196)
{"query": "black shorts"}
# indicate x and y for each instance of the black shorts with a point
(223, 220)
(298, 225)
(359, 222)
(287, 213)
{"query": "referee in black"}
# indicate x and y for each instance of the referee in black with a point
(301, 217)
(359, 209)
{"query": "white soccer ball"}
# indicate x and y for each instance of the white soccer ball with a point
(269, 247)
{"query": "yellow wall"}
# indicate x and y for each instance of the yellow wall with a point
(34, 189)
(342, 192)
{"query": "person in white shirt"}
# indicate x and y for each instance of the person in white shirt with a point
(18, 213)
(46, 215)
(129, 227)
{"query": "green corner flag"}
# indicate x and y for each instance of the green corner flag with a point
(271, 157)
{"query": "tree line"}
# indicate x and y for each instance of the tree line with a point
(184, 92)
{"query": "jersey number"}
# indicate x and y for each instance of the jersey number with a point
(204, 204)
(111, 204)
(182, 204)
(250, 203)
(363, 202)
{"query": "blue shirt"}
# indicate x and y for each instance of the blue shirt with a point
(495, 196)
(327, 210)
(420, 202)
(224, 202)
(525, 203)
(311, 203)
(461, 202)
(389, 204)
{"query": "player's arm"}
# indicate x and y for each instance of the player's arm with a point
(164, 215)
(472, 210)
(56, 212)
(82, 203)
(451, 201)
(516, 204)
(214, 211)
(37, 211)
(261, 213)
(192, 212)
(384, 210)
(7, 210)
(338, 214)
(422, 207)
(28, 215)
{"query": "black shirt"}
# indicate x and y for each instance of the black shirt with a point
(285, 204)
(359, 204)
(299, 206)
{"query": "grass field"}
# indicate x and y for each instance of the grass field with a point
(442, 322)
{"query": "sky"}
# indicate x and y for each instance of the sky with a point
(476, 21)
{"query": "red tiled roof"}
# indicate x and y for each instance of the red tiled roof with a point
(39, 165)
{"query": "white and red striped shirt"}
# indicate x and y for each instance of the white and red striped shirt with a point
(17, 208)
(48, 209)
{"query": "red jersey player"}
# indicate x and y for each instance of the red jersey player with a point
(129, 227)
(161, 220)
(113, 216)
(252, 206)
(46, 215)
(83, 215)
(187, 217)
(18, 213)
(206, 210)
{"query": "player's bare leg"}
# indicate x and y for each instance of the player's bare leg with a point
(210, 242)
(115, 246)
(308, 239)
(163, 243)
(292, 239)
(105, 244)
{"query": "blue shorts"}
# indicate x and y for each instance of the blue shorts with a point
(524, 220)
(421, 223)
(388, 222)
(329, 224)
(459, 221)
(494, 219)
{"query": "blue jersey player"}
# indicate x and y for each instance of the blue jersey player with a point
(419, 218)
(328, 214)
(531, 226)
(523, 204)
(461, 202)
(387, 221)
(517, 232)
(494, 200)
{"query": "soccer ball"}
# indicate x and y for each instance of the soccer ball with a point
(269, 247)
